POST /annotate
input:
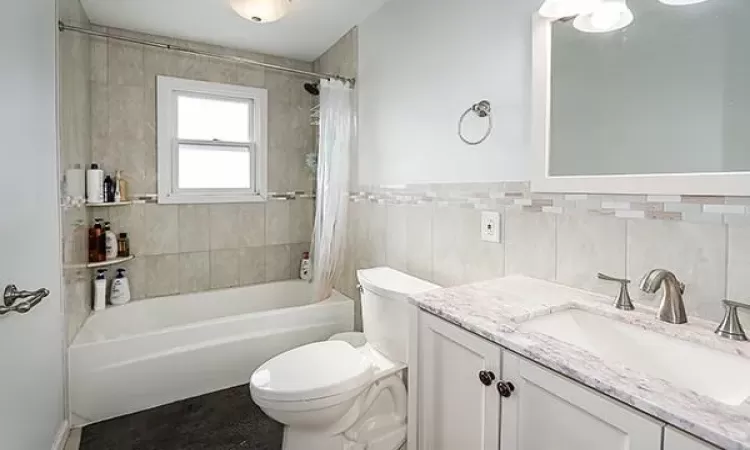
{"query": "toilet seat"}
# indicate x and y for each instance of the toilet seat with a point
(312, 376)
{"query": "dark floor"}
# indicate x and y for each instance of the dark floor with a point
(224, 420)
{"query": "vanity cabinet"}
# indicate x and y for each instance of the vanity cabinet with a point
(456, 409)
(677, 440)
(472, 394)
(547, 412)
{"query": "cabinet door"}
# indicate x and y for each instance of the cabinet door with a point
(677, 440)
(549, 412)
(456, 410)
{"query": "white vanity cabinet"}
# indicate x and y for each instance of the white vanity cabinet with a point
(549, 412)
(677, 440)
(456, 410)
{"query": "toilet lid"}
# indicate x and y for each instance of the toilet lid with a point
(313, 371)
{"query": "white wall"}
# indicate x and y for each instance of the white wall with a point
(421, 64)
(31, 345)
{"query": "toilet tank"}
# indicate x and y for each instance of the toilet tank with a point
(385, 309)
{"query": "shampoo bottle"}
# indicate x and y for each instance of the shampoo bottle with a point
(120, 289)
(95, 184)
(110, 242)
(100, 290)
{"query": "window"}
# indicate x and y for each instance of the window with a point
(211, 142)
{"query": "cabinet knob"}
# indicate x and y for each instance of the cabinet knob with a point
(505, 388)
(486, 377)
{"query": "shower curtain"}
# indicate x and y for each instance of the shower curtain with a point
(332, 195)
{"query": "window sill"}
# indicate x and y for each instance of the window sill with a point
(187, 199)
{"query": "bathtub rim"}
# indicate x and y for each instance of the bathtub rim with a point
(339, 299)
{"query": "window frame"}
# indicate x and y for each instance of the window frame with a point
(168, 89)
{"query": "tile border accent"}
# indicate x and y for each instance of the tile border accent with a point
(517, 195)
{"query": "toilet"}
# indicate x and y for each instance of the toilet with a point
(347, 393)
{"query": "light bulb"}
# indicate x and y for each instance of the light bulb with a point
(609, 15)
(261, 11)
(605, 17)
(557, 9)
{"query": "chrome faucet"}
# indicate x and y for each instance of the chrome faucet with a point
(672, 308)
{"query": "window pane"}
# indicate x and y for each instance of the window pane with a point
(208, 119)
(214, 167)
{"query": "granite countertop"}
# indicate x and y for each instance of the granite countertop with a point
(495, 309)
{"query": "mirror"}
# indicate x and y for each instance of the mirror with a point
(668, 94)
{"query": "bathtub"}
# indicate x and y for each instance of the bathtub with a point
(153, 352)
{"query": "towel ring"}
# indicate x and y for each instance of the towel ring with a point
(481, 109)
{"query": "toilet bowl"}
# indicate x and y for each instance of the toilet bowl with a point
(346, 393)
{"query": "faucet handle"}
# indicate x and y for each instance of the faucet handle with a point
(730, 326)
(623, 298)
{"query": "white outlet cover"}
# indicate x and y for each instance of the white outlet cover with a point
(490, 231)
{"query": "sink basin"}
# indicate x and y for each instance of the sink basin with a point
(721, 376)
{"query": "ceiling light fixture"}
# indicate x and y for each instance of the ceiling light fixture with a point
(558, 9)
(609, 15)
(681, 2)
(261, 11)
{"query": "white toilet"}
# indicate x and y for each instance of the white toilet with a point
(343, 394)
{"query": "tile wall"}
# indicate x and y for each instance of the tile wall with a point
(432, 232)
(189, 248)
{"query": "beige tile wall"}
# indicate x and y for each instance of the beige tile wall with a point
(188, 248)
(443, 246)
(75, 148)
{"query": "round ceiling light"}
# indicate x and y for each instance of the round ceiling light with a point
(261, 11)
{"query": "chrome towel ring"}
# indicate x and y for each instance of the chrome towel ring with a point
(481, 109)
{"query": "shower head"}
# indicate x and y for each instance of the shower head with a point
(312, 88)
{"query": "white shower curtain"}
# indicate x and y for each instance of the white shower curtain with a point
(336, 138)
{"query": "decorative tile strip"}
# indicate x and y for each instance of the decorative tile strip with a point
(518, 196)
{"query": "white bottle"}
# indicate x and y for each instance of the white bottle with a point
(304, 267)
(100, 290)
(120, 289)
(95, 184)
(110, 242)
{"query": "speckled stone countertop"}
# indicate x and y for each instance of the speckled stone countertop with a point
(495, 309)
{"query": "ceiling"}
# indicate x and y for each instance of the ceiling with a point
(310, 28)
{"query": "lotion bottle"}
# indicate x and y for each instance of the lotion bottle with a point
(100, 290)
(95, 184)
(120, 289)
(110, 242)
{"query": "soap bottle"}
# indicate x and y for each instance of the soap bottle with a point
(100, 290)
(118, 187)
(96, 235)
(110, 242)
(120, 289)
(304, 267)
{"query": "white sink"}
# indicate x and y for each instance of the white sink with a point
(708, 372)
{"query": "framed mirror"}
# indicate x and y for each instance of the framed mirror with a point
(661, 106)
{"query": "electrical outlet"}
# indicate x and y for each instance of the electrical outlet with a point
(490, 226)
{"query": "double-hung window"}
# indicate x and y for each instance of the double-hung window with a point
(211, 142)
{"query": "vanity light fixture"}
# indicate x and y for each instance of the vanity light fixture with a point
(261, 11)
(558, 9)
(681, 2)
(608, 15)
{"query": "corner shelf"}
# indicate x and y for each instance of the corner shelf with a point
(99, 265)
(105, 205)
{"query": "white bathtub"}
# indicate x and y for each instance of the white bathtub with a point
(152, 352)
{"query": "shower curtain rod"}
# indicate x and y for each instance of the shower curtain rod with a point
(236, 59)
